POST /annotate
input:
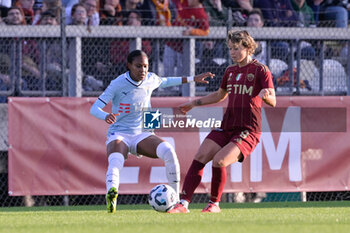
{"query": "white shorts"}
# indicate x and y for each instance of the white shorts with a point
(131, 140)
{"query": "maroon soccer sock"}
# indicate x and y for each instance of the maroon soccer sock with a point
(192, 180)
(218, 181)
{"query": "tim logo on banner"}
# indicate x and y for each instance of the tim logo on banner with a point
(151, 119)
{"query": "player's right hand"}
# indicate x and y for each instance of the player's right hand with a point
(111, 118)
(201, 78)
(186, 107)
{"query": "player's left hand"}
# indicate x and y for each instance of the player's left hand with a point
(200, 78)
(111, 118)
(264, 93)
(268, 96)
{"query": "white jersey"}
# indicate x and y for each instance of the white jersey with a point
(130, 99)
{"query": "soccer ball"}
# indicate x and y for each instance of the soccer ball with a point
(162, 198)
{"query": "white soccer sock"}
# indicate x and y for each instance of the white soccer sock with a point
(216, 203)
(167, 153)
(184, 203)
(115, 164)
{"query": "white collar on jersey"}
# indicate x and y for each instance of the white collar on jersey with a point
(131, 80)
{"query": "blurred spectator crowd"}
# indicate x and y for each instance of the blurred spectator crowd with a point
(197, 16)
(301, 13)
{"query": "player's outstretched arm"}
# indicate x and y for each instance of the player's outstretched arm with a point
(212, 98)
(268, 96)
(174, 81)
(201, 78)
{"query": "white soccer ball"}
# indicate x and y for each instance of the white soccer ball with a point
(162, 198)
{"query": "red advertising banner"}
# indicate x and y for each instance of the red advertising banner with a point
(58, 148)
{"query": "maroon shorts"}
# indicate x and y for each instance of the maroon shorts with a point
(243, 138)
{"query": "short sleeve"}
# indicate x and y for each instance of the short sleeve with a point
(157, 80)
(109, 93)
(266, 79)
(224, 80)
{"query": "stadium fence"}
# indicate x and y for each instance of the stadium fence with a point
(80, 61)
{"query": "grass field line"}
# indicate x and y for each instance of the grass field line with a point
(288, 217)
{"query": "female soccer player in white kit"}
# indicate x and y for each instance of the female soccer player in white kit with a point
(130, 94)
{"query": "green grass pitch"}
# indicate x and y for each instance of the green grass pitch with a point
(281, 217)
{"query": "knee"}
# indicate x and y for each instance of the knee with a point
(116, 159)
(202, 157)
(166, 152)
(219, 163)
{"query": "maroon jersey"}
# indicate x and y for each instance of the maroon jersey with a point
(243, 85)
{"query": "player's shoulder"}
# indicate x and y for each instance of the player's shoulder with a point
(260, 66)
(118, 81)
(231, 67)
(120, 77)
(152, 75)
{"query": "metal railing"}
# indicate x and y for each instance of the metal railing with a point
(80, 39)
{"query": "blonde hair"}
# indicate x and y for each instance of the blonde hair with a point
(242, 37)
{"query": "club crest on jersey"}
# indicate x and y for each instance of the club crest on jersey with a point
(250, 77)
(238, 77)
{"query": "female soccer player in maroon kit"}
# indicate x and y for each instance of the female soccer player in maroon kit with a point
(246, 83)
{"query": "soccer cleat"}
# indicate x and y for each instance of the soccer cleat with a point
(111, 200)
(211, 208)
(179, 208)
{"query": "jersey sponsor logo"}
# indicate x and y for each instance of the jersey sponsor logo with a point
(152, 119)
(250, 77)
(241, 89)
(229, 88)
(124, 108)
